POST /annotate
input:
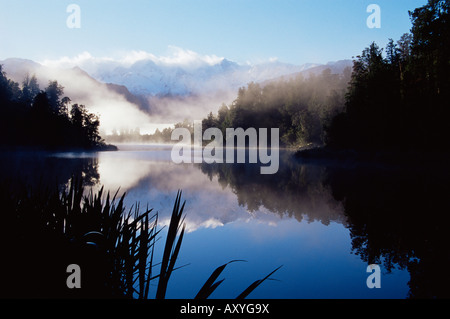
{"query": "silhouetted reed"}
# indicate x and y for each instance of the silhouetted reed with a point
(45, 231)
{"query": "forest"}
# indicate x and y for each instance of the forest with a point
(399, 99)
(44, 119)
(300, 107)
(396, 98)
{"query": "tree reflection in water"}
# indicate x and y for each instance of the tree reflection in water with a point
(397, 216)
(47, 170)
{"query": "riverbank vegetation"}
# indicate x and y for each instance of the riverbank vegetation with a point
(394, 100)
(45, 119)
(114, 247)
(300, 107)
(398, 99)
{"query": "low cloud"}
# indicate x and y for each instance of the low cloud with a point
(152, 91)
(178, 109)
(176, 57)
(117, 113)
(113, 108)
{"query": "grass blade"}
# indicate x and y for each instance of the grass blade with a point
(171, 248)
(253, 286)
(209, 286)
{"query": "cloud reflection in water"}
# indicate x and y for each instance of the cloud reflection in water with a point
(216, 194)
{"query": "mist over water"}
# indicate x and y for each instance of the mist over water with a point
(323, 222)
(141, 90)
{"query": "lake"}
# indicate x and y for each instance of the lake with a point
(324, 222)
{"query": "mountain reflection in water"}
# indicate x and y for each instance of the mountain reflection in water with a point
(397, 217)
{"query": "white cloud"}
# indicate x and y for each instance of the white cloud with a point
(78, 60)
(182, 57)
(129, 58)
(176, 57)
(114, 110)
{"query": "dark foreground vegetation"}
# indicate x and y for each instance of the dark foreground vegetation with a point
(43, 119)
(44, 232)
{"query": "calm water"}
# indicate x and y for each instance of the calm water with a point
(323, 222)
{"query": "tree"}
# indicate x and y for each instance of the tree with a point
(77, 115)
(9, 90)
(30, 88)
(41, 103)
(209, 122)
(54, 92)
(431, 44)
(299, 107)
(64, 106)
(91, 125)
(5, 92)
(40, 118)
(401, 101)
(404, 46)
(392, 53)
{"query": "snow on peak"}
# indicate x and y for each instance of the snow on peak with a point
(180, 72)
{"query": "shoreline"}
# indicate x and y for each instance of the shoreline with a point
(380, 157)
(17, 148)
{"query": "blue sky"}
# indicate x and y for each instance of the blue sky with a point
(293, 31)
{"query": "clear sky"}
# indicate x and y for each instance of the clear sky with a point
(293, 31)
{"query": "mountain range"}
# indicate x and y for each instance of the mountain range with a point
(166, 91)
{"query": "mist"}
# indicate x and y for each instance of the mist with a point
(141, 92)
(113, 108)
(195, 107)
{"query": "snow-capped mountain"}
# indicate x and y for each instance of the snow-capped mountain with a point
(151, 79)
(142, 91)
(174, 76)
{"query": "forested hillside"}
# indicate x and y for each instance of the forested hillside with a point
(396, 98)
(44, 119)
(399, 99)
(299, 107)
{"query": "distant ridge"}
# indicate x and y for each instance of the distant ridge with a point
(337, 67)
(163, 93)
(147, 78)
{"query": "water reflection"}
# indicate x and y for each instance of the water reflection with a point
(48, 170)
(397, 217)
(219, 194)
(294, 191)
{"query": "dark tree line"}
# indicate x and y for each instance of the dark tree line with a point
(299, 107)
(159, 136)
(396, 218)
(31, 117)
(399, 224)
(395, 98)
(400, 99)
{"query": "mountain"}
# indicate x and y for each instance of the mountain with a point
(116, 105)
(337, 67)
(17, 69)
(149, 78)
(151, 91)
